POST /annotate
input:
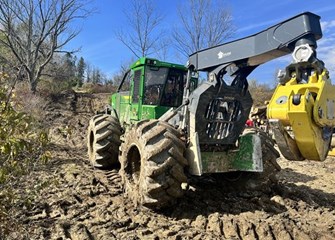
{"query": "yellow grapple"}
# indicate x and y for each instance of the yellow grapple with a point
(302, 117)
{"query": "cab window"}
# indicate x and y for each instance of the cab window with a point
(173, 92)
(154, 84)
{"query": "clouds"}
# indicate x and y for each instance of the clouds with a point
(326, 46)
(259, 26)
(327, 26)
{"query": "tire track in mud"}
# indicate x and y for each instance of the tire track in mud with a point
(89, 204)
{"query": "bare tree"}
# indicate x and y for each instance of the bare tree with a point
(260, 92)
(8, 62)
(124, 67)
(35, 29)
(203, 23)
(142, 37)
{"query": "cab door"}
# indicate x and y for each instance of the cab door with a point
(136, 98)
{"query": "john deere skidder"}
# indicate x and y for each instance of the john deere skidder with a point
(163, 124)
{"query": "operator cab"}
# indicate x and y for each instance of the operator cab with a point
(150, 88)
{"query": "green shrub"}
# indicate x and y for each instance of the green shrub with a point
(22, 147)
(99, 88)
(26, 101)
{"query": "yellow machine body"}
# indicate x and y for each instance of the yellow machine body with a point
(306, 108)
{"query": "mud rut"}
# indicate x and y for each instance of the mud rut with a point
(80, 202)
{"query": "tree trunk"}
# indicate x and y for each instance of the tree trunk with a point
(33, 82)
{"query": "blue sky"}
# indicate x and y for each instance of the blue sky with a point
(100, 47)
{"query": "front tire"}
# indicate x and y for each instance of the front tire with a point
(103, 140)
(152, 164)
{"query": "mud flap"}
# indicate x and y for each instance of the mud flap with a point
(193, 155)
(246, 157)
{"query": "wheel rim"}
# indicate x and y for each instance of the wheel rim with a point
(133, 168)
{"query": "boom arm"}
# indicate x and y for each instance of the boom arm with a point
(262, 47)
(218, 111)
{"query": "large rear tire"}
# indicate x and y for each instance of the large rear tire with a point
(152, 164)
(103, 140)
(270, 165)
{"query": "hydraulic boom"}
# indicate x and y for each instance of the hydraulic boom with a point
(303, 101)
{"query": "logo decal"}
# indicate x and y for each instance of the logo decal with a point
(222, 54)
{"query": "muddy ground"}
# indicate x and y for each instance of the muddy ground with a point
(79, 202)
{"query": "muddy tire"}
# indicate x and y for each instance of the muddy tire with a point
(152, 164)
(270, 154)
(103, 140)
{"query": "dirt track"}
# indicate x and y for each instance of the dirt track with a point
(80, 202)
